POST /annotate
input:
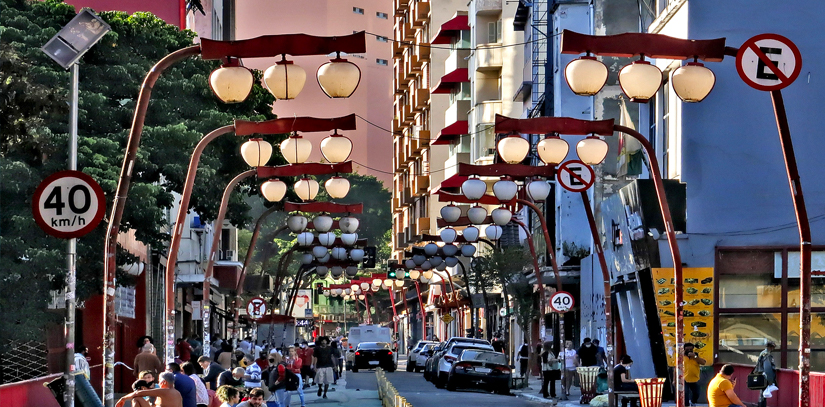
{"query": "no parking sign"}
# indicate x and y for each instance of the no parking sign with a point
(768, 62)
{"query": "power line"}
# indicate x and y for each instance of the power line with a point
(399, 134)
(462, 48)
(416, 174)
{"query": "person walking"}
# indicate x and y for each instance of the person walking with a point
(323, 362)
(601, 355)
(81, 361)
(550, 371)
(147, 361)
(693, 365)
(523, 358)
(252, 374)
(336, 356)
(277, 381)
(570, 364)
(294, 363)
(587, 353)
(305, 353)
(720, 390)
(766, 365)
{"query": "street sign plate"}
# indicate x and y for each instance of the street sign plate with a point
(447, 318)
(561, 302)
(768, 62)
(68, 204)
(256, 308)
(575, 176)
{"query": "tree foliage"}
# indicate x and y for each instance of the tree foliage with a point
(503, 268)
(34, 136)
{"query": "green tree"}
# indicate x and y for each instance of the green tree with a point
(34, 134)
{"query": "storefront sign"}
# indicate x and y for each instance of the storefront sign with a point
(698, 309)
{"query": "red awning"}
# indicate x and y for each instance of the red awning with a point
(451, 183)
(446, 83)
(451, 132)
(449, 29)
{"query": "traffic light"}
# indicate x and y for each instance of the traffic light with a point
(391, 274)
(369, 257)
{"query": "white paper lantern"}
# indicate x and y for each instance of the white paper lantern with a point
(351, 271)
(502, 216)
(339, 78)
(430, 249)
(337, 187)
(296, 223)
(256, 152)
(410, 264)
(512, 149)
(538, 190)
(592, 150)
(426, 265)
(441, 267)
(451, 261)
(356, 254)
(552, 150)
(448, 235)
(586, 76)
(321, 271)
(284, 80)
(339, 253)
(414, 274)
(493, 232)
(473, 189)
(327, 293)
(307, 189)
(450, 213)
(399, 283)
(427, 274)
(296, 149)
(468, 250)
(477, 214)
(326, 239)
(435, 260)
(692, 82)
(231, 84)
(323, 260)
(348, 224)
(505, 190)
(449, 250)
(419, 259)
(306, 239)
(336, 148)
(307, 258)
(349, 239)
(319, 251)
(365, 286)
(273, 190)
(322, 223)
(470, 233)
(336, 271)
(640, 81)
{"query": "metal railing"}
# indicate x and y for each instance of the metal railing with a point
(387, 393)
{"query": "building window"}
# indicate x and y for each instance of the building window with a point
(494, 32)
(383, 62)
(358, 10)
(381, 15)
(382, 39)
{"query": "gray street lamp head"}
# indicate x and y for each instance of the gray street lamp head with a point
(75, 38)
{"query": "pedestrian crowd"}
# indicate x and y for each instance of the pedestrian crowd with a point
(248, 377)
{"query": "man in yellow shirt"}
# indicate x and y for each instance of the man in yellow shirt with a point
(720, 390)
(692, 368)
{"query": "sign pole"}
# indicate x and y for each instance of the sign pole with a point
(71, 275)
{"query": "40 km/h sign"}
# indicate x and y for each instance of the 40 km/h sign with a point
(768, 62)
(561, 302)
(68, 204)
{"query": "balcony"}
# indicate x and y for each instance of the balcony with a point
(457, 111)
(409, 32)
(487, 7)
(456, 60)
(422, 226)
(400, 6)
(408, 116)
(420, 13)
(406, 197)
(420, 183)
(420, 140)
(451, 165)
(420, 99)
(397, 50)
(488, 58)
(485, 112)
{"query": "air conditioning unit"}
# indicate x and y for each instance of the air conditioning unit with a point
(227, 255)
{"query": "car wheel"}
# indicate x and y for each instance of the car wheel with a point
(410, 367)
(354, 369)
(439, 381)
(450, 384)
(390, 369)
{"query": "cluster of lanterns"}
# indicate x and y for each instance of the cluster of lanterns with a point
(232, 82)
(640, 80)
(295, 149)
(326, 248)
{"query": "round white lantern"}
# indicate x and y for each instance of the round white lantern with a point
(477, 214)
(339, 78)
(419, 259)
(468, 250)
(351, 271)
(336, 272)
(296, 149)
(322, 223)
(586, 76)
(307, 189)
(337, 187)
(319, 251)
(592, 150)
(414, 274)
(349, 239)
(538, 190)
(326, 239)
(692, 82)
(473, 189)
(493, 232)
(451, 261)
(502, 216)
(450, 213)
(273, 190)
(231, 84)
(552, 150)
(470, 233)
(284, 80)
(356, 254)
(410, 264)
(321, 271)
(305, 239)
(296, 223)
(505, 190)
(512, 149)
(336, 148)
(426, 265)
(307, 258)
(435, 261)
(430, 249)
(640, 81)
(427, 274)
(449, 250)
(448, 235)
(348, 224)
(339, 253)
(256, 152)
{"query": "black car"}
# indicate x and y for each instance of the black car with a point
(482, 368)
(369, 355)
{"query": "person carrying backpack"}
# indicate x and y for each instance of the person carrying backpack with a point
(282, 381)
(294, 364)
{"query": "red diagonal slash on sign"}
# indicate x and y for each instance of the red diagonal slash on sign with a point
(576, 176)
(744, 62)
(565, 168)
(770, 64)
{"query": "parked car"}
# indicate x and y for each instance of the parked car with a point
(450, 355)
(480, 368)
(423, 355)
(365, 333)
(412, 357)
(431, 363)
(369, 355)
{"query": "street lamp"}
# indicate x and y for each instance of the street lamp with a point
(692, 82)
(473, 188)
(231, 82)
(336, 148)
(450, 213)
(585, 75)
(591, 150)
(513, 149)
(339, 78)
(640, 80)
(274, 190)
(296, 223)
(337, 187)
(322, 223)
(296, 149)
(552, 149)
(285, 80)
(476, 214)
(306, 189)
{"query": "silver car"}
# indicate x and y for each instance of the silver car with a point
(422, 356)
(412, 357)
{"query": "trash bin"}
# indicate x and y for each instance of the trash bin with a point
(587, 382)
(650, 391)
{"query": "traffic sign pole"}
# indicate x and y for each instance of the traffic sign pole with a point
(71, 257)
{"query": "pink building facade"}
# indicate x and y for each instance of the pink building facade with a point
(171, 11)
(372, 146)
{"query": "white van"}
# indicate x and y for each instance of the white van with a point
(365, 333)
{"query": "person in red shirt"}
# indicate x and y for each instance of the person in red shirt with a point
(305, 353)
(184, 350)
(295, 363)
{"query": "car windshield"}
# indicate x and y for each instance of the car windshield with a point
(458, 349)
(481, 356)
(373, 345)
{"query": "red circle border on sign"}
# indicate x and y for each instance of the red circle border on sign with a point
(248, 303)
(751, 43)
(573, 299)
(564, 165)
(98, 191)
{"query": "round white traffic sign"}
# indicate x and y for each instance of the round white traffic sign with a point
(561, 302)
(256, 308)
(68, 204)
(768, 62)
(575, 176)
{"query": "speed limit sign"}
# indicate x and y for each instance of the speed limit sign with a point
(68, 204)
(561, 302)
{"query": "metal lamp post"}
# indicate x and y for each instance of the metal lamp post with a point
(66, 48)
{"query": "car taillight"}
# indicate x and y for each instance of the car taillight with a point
(357, 353)
(389, 352)
(503, 369)
(350, 346)
(463, 366)
(449, 359)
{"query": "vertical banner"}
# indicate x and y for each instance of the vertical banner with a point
(698, 309)
(196, 310)
(303, 304)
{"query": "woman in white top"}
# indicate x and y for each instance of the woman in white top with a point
(201, 396)
(228, 395)
(570, 364)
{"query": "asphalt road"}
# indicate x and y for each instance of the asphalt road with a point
(421, 393)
